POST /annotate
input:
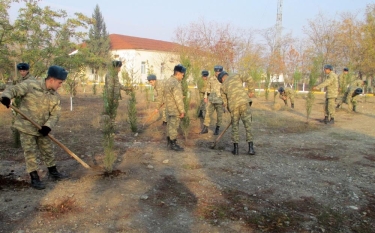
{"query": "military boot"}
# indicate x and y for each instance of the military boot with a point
(54, 174)
(332, 121)
(164, 123)
(325, 121)
(204, 130)
(217, 130)
(292, 105)
(168, 141)
(235, 149)
(175, 146)
(251, 149)
(35, 181)
(338, 106)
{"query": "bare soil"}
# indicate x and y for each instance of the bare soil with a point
(305, 177)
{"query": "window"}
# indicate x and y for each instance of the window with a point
(143, 67)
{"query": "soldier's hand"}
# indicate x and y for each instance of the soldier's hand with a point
(5, 101)
(156, 110)
(182, 115)
(251, 94)
(44, 130)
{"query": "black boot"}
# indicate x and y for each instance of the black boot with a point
(332, 121)
(164, 123)
(54, 174)
(338, 106)
(217, 130)
(251, 149)
(35, 181)
(235, 149)
(204, 130)
(175, 146)
(325, 121)
(292, 105)
(168, 141)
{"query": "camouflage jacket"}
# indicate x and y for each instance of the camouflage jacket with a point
(112, 83)
(357, 83)
(204, 86)
(233, 93)
(21, 79)
(38, 103)
(213, 87)
(332, 85)
(343, 82)
(173, 97)
(288, 93)
(159, 89)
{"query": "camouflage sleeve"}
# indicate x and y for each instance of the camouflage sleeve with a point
(178, 98)
(224, 97)
(327, 82)
(54, 115)
(17, 90)
(160, 97)
(249, 83)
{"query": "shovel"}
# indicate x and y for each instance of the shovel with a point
(221, 135)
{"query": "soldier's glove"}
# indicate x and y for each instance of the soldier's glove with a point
(5, 101)
(44, 130)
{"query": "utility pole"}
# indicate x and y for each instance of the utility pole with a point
(278, 27)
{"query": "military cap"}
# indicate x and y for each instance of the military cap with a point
(57, 72)
(116, 63)
(346, 69)
(281, 89)
(151, 77)
(23, 66)
(328, 67)
(205, 73)
(180, 68)
(221, 75)
(218, 68)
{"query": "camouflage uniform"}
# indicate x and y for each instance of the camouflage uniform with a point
(348, 97)
(17, 102)
(43, 106)
(159, 89)
(174, 105)
(237, 101)
(343, 81)
(215, 101)
(288, 93)
(331, 94)
(202, 94)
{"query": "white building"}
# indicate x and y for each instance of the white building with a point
(141, 56)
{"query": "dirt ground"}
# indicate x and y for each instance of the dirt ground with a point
(305, 176)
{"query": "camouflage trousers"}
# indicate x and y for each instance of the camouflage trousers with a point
(173, 122)
(243, 112)
(219, 113)
(329, 108)
(31, 145)
(203, 105)
(349, 99)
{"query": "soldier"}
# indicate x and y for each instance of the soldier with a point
(215, 103)
(285, 93)
(174, 105)
(202, 92)
(112, 89)
(331, 94)
(238, 103)
(350, 96)
(41, 102)
(23, 70)
(344, 79)
(159, 88)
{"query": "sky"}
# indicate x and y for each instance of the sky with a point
(159, 20)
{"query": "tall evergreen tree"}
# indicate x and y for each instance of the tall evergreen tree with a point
(98, 44)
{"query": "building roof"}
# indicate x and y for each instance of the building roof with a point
(130, 42)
